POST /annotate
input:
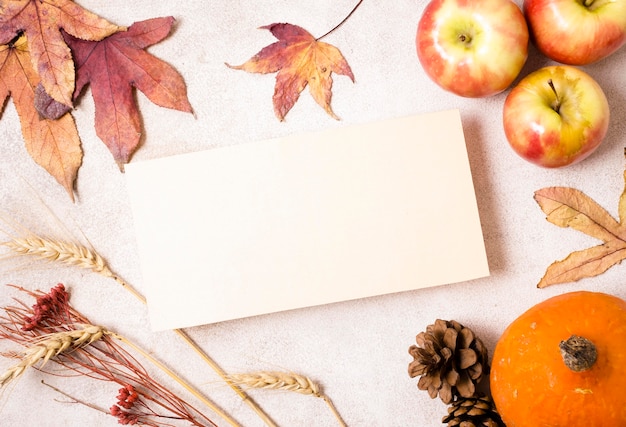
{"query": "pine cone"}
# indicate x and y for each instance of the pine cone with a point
(473, 412)
(450, 359)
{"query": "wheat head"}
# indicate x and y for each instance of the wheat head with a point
(50, 346)
(271, 380)
(60, 251)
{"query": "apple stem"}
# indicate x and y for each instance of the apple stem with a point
(557, 104)
(464, 38)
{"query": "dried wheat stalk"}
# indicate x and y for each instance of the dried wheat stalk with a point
(73, 254)
(51, 346)
(64, 252)
(272, 380)
(276, 381)
(55, 250)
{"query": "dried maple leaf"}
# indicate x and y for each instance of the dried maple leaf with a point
(53, 144)
(300, 60)
(41, 22)
(567, 207)
(116, 64)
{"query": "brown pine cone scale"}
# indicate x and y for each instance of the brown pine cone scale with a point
(476, 411)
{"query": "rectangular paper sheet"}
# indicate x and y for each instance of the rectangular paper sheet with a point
(317, 218)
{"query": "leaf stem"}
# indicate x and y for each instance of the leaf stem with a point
(343, 21)
(14, 40)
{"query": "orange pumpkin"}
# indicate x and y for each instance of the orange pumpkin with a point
(563, 364)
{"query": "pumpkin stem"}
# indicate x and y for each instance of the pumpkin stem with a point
(579, 353)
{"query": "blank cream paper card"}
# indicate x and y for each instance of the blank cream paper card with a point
(311, 219)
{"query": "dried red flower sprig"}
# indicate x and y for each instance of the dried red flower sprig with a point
(48, 305)
(105, 360)
(127, 397)
(126, 409)
(23, 242)
(124, 417)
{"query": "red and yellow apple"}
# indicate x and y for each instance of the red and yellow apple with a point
(473, 48)
(556, 116)
(577, 32)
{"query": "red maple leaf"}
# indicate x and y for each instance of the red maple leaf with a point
(116, 65)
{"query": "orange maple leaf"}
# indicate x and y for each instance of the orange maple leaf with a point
(300, 60)
(568, 207)
(41, 22)
(53, 144)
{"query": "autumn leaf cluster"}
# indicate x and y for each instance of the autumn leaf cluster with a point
(50, 50)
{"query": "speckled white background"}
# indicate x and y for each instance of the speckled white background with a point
(356, 350)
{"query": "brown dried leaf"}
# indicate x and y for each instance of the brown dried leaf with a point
(583, 264)
(568, 207)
